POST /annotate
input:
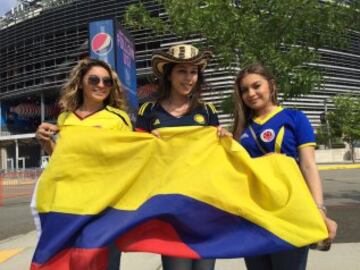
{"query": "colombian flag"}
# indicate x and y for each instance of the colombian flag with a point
(187, 194)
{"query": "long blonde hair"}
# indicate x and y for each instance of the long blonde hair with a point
(72, 96)
(243, 113)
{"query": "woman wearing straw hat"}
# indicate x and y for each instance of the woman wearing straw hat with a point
(178, 104)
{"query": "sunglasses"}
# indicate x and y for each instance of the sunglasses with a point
(95, 80)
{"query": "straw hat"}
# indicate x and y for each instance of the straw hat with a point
(184, 54)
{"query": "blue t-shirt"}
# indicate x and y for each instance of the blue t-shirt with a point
(152, 115)
(282, 131)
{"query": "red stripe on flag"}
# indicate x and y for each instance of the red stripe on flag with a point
(77, 258)
(155, 236)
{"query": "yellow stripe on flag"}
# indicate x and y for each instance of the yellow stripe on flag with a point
(86, 174)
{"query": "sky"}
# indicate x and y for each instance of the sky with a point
(6, 5)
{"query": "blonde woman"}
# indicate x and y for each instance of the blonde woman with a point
(92, 97)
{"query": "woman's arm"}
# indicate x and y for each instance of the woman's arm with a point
(311, 174)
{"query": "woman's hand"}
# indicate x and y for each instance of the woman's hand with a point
(44, 135)
(45, 132)
(331, 227)
(223, 132)
(155, 133)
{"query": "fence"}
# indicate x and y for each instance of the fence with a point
(17, 185)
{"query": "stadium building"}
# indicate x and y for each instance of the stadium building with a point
(41, 40)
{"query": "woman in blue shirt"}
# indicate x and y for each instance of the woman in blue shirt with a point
(262, 127)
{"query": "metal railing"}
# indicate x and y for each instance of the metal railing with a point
(18, 184)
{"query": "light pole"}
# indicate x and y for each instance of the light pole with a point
(327, 123)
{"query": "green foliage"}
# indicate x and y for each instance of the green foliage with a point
(227, 105)
(325, 137)
(322, 135)
(344, 120)
(283, 34)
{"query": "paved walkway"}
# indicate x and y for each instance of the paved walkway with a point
(16, 254)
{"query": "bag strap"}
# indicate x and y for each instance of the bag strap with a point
(256, 140)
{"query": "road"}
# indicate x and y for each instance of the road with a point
(341, 190)
(342, 195)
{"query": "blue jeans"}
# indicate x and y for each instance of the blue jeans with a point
(174, 263)
(294, 259)
(114, 257)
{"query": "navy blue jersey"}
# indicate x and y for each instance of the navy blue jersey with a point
(152, 115)
(282, 131)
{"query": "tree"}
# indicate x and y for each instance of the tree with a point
(344, 120)
(286, 35)
(322, 135)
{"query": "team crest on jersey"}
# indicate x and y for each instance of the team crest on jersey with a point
(267, 135)
(156, 122)
(199, 118)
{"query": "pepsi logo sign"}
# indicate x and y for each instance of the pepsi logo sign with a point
(102, 43)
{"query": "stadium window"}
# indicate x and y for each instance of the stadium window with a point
(61, 77)
(59, 34)
(29, 68)
(140, 47)
(29, 83)
(49, 63)
(59, 61)
(20, 70)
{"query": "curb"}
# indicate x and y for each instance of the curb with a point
(9, 253)
(338, 167)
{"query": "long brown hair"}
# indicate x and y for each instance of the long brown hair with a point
(72, 95)
(165, 87)
(243, 113)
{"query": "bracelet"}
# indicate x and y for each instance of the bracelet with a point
(322, 207)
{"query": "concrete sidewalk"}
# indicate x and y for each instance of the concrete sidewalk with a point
(16, 254)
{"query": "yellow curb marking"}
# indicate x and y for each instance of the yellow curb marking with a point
(8, 253)
(338, 167)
